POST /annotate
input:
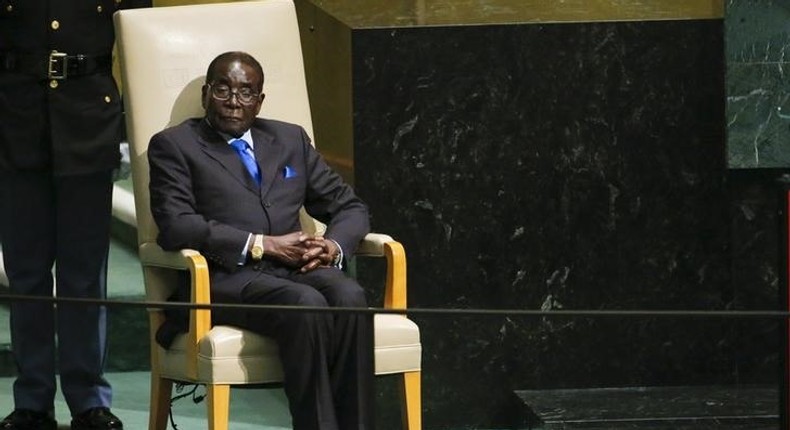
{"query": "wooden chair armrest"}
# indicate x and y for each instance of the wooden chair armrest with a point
(152, 254)
(372, 245)
(381, 245)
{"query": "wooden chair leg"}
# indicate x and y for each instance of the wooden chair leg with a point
(411, 401)
(161, 390)
(218, 404)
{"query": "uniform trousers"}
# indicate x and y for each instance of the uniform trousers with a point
(61, 221)
(327, 358)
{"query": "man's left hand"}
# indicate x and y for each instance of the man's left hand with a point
(320, 252)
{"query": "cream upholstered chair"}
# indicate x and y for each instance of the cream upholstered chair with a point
(164, 53)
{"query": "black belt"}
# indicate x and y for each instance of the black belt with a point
(55, 65)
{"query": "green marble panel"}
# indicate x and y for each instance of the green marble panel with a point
(758, 113)
(758, 104)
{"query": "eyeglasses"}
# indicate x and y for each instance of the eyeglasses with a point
(223, 92)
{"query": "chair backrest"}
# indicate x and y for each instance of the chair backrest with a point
(164, 53)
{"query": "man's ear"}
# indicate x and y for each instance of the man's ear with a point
(260, 103)
(203, 92)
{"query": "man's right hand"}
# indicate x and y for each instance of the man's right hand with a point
(287, 249)
(290, 250)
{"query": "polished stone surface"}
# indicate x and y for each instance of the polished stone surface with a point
(758, 103)
(688, 407)
(558, 166)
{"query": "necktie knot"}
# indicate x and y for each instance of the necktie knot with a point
(247, 158)
(240, 145)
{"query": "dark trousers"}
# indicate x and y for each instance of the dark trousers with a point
(65, 222)
(327, 358)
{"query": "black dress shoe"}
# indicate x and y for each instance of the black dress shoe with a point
(96, 419)
(25, 419)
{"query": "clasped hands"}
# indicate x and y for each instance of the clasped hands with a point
(301, 251)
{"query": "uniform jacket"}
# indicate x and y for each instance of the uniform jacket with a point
(71, 126)
(203, 198)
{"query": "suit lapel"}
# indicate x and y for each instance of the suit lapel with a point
(267, 154)
(217, 148)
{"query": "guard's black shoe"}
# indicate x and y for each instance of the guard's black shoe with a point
(95, 419)
(25, 419)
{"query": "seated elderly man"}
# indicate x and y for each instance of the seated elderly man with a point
(231, 185)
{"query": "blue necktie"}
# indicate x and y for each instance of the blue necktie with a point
(247, 158)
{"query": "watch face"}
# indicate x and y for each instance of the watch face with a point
(257, 252)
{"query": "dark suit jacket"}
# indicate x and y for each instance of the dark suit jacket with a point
(203, 198)
(76, 127)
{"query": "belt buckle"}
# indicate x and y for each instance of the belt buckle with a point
(56, 66)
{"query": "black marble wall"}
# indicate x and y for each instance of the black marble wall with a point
(563, 166)
(559, 167)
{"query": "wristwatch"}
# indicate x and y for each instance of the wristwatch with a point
(257, 248)
(338, 259)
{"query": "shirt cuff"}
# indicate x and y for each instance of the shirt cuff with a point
(339, 259)
(245, 250)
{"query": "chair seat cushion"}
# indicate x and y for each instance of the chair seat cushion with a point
(231, 355)
(397, 344)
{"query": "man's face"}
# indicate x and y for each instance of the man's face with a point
(232, 116)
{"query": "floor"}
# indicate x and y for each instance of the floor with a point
(250, 409)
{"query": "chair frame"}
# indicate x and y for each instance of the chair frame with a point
(218, 395)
